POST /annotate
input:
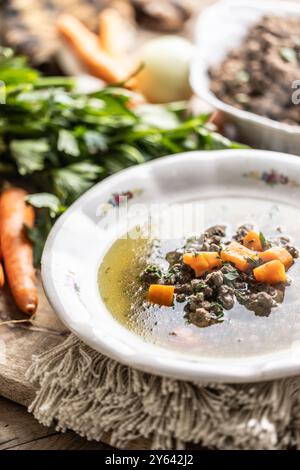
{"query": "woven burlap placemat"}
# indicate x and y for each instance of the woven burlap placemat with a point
(80, 389)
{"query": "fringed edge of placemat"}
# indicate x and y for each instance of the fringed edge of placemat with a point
(80, 389)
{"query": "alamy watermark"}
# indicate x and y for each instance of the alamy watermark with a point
(162, 221)
(296, 93)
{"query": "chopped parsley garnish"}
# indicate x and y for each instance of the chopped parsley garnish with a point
(231, 276)
(201, 285)
(153, 269)
(217, 309)
(253, 261)
(264, 242)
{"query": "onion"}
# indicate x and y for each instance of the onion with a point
(165, 76)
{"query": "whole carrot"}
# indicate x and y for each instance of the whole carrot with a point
(86, 45)
(111, 33)
(17, 249)
(2, 278)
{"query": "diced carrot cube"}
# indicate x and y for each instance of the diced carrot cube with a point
(196, 261)
(161, 295)
(203, 261)
(213, 259)
(279, 253)
(272, 272)
(238, 255)
(252, 241)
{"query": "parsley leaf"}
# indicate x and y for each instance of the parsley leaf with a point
(95, 141)
(38, 235)
(71, 181)
(231, 275)
(67, 143)
(48, 208)
(29, 155)
(46, 201)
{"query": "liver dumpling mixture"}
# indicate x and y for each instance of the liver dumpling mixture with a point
(206, 293)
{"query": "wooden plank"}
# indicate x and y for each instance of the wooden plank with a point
(17, 426)
(19, 342)
(20, 431)
(68, 441)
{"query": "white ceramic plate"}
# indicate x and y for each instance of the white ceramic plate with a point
(232, 19)
(242, 186)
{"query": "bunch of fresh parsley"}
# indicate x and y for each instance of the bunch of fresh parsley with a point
(60, 143)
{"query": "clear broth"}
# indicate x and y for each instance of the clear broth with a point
(241, 333)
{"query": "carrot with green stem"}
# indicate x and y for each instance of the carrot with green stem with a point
(17, 250)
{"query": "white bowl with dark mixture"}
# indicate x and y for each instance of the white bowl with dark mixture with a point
(249, 69)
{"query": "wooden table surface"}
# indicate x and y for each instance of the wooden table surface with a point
(20, 431)
(18, 342)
